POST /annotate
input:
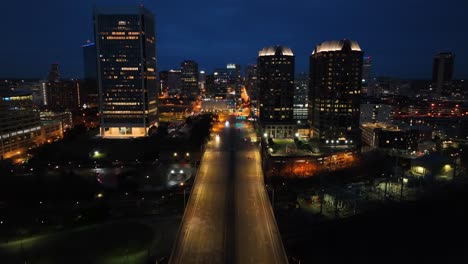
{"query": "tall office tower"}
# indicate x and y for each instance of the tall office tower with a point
(251, 81)
(367, 69)
(126, 46)
(52, 85)
(221, 82)
(202, 83)
(209, 85)
(334, 92)
(301, 88)
(235, 80)
(276, 85)
(163, 83)
(367, 84)
(189, 79)
(89, 89)
(442, 73)
(174, 82)
(54, 73)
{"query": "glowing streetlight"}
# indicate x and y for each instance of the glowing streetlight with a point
(265, 135)
(181, 171)
(175, 154)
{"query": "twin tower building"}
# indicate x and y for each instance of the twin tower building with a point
(126, 65)
(335, 78)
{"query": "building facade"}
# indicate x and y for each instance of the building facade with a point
(89, 87)
(20, 125)
(442, 73)
(189, 79)
(335, 91)
(301, 88)
(275, 69)
(126, 47)
(376, 113)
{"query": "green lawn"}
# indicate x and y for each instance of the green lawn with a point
(126, 242)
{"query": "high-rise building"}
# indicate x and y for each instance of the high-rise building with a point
(209, 85)
(334, 92)
(163, 82)
(251, 81)
(174, 82)
(235, 80)
(442, 73)
(126, 47)
(202, 83)
(189, 79)
(89, 89)
(221, 82)
(276, 85)
(301, 88)
(367, 69)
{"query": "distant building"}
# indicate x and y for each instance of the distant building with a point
(89, 89)
(275, 73)
(335, 91)
(62, 94)
(367, 68)
(235, 81)
(126, 44)
(301, 89)
(376, 113)
(163, 82)
(384, 136)
(221, 82)
(202, 83)
(209, 85)
(174, 82)
(189, 79)
(251, 82)
(442, 73)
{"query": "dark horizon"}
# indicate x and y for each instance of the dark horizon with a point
(402, 42)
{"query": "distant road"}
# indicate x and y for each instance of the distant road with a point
(228, 218)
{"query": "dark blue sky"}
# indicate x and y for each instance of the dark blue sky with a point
(401, 36)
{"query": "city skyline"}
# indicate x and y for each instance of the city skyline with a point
(235, 32)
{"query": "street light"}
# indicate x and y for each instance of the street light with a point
(265, 135)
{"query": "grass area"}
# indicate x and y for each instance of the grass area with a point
(123, 242)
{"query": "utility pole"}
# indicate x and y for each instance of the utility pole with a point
(401, 189)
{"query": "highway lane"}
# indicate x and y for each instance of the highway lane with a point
(257, 236)
(229, 218)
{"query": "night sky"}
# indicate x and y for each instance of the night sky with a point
(401, 36)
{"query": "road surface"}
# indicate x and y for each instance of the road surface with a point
(228, 218)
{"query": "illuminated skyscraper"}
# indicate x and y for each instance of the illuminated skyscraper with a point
(276, 90)
(126, 47)
(334, 92)
(189, 79)
(301, 87)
